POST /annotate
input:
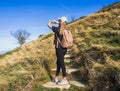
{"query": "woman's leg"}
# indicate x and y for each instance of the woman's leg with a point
(58, 68)
(57, 62)
(64, 50)
(61, 54)
(62, 65)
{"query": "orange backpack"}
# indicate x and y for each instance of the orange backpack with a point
(67, 40)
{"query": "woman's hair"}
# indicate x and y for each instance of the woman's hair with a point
(62, 26)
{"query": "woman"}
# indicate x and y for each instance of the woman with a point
(60, 51)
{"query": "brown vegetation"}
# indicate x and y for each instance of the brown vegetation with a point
(96, 53)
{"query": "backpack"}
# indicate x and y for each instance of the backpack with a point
(67, 40)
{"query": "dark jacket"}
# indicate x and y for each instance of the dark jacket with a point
(56, 36)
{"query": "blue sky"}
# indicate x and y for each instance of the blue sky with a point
(33, 16)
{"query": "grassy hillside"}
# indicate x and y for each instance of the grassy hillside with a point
(96, 53)
(18, 66)
(97, 49)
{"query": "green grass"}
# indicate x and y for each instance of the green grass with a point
(108, 34)
(1, 56)
(18, 83)
(82, 34)
(115, 41)
(87, 40)
(44, 79)
(95, 34)
(8, 53)
(68, 63)
(115, 57)
(116, 28)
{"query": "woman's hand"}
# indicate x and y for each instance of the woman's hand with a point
(54, 22)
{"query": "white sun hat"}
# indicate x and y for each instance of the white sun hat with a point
(64, 19)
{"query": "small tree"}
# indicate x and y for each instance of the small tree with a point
(21, 36)
(40, 36)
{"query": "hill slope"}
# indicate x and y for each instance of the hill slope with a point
(19, 66)
(97, 49)
(96, 53)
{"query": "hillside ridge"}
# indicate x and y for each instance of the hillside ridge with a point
(96, 53)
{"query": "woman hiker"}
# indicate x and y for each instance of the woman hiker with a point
(60, 51)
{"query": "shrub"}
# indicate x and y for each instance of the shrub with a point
(108, 80)
(115, 41)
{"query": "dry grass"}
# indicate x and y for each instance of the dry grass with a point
(30, 59)
(96, 49)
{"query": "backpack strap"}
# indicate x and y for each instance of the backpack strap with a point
(58, 40)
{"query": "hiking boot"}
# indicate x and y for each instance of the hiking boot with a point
(55, 80)
(63, 82)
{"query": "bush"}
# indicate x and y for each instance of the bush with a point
(108, 34)
(115, 41)
(115, 57)
(108, 80)
(94, 34)
(87, 40)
